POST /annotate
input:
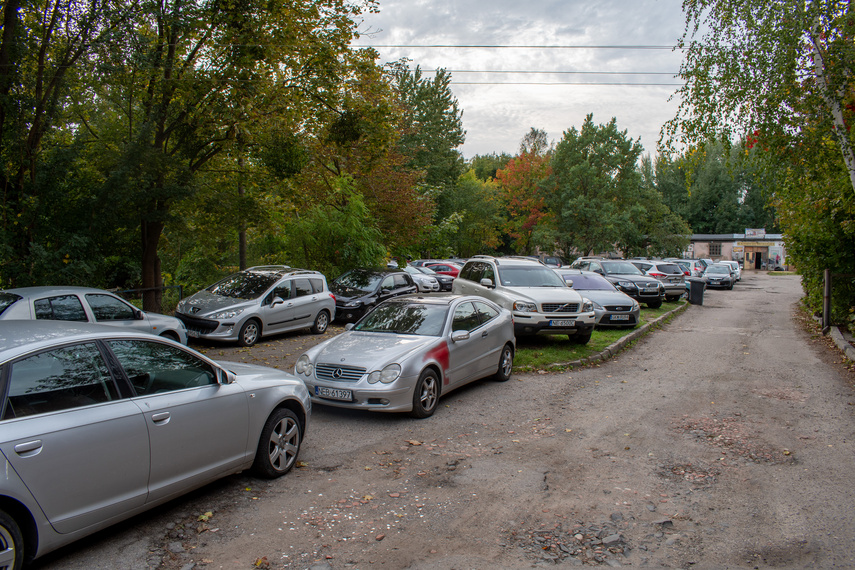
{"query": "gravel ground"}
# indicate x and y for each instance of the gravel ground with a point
(723, 439)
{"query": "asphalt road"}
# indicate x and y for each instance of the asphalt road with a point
(722, 440)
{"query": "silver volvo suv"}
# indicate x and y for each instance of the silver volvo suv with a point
(541, 302)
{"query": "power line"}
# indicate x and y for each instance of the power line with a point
(485, 46)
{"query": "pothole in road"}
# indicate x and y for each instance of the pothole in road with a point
(734, 438)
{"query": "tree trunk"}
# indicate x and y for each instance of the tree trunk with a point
(152, 281)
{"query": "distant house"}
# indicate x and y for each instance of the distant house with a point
(755, 248)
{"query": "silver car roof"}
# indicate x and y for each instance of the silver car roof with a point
(19, 337)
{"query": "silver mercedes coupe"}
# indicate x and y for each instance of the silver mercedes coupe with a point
(409, 351)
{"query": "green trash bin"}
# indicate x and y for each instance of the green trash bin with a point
(696, 290)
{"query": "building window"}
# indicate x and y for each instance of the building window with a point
(715, 249)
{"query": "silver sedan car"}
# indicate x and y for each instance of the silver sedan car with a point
(612, 308)
(100, 424)
(86, 304)
(409, 351)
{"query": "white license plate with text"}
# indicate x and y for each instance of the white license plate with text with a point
(333, 393)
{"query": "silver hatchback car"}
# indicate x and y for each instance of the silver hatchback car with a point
(99, 424)
(86, 304)
(258, 302)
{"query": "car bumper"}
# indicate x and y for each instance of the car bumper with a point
(365, 396)
(527, 324)
(614, 319)
(349, 314)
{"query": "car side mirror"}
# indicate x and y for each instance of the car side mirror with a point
(385, 291)
(277, 301)
(458, 336)
(138, 315)
(226, 377)
(600, 271)
(487, 283)
(569, 282)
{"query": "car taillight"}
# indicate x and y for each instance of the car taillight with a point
(333, 297)
(657, 275)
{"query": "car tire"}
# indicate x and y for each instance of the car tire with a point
(322, 321)
(506, 364)
(278, 445)
(654, 304)
(581, 338)
(250, 332)
(426, 394)
(11, 542)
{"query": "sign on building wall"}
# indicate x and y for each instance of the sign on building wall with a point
(755, 233)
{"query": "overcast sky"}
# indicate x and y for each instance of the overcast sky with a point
(499, 111)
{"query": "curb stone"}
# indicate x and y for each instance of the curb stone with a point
(614, 348)
(842, 343)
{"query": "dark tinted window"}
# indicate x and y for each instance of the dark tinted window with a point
(108, 308)
(472, 271)
(63, 308)
(283, 291)
(317, 285)
(59, 379)
(359, 279)
(669, 268)
(400, 318)
(465, 317)
(302, 287)
(7, 300)
(485, 311)
(244, 285)
(589, 282)
(154, 367)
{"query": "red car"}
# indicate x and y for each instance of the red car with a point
(445, 268)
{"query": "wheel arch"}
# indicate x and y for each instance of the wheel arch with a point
(18, 511)
(296, 407)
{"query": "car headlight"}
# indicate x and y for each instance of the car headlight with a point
(525, 307)
(627, 284)
(594, 305)
(353, 304)
(229, 314)
(389, 374)
(303, 366)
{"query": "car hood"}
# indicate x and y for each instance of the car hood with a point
(369, 350)
(633, 278)
(203, 303)
(163, 321)
(350, 294)
(545, 294)
(607, 297)
(250, 375)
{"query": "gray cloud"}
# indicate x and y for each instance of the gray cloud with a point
(496, 117)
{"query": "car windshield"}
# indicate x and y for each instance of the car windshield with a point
(718, 269)
(244, 285)
(530, 277)
(399, 318)
(589, 283)
(621, 268)
(426, 270)
(361, 280)
(7, 300)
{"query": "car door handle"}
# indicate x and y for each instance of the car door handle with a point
(485, 334)
(29, 448)
(160, 418)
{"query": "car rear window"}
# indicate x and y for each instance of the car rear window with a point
(669, 268)
(7, 300)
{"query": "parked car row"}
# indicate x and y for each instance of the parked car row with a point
(173, 420)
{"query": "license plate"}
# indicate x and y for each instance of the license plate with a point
(192, 334)
(333, 393)
(562, 323)
(620, 317)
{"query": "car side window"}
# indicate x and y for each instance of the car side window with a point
(388, 283)
(302, 288)
(62, 308)
(485, 312)
(465, 317)
(108, 308)
(317, 285)
(59, 379)
(401, 281)
(488, 273)
(282, 290)
(154, 367)
(469, 272)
